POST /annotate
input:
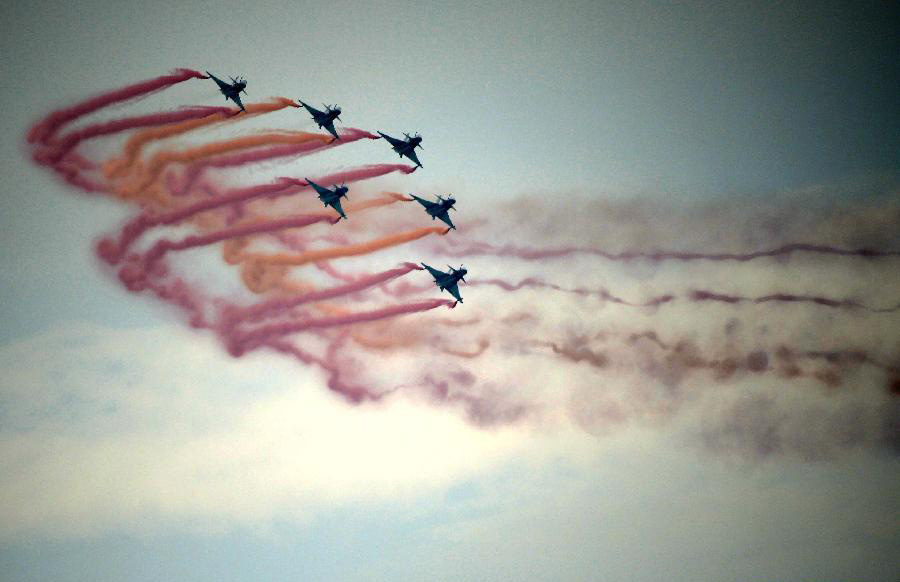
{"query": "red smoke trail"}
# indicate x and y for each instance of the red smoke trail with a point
(603, 293)
(265, 333)
(701, 295)
(327, 268)
(695, 296)
(253, 313)
(353, 394)
(286, 150)
(112, 251)
(163, 246)
(536, 254)
(135, 144)
(44, 129)
(57, 149)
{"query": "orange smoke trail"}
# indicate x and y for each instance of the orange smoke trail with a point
(132, 149)
(163, 158)
(483, 345)
(390, 198)
(347, 251)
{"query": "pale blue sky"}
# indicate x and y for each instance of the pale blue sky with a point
(636, 101)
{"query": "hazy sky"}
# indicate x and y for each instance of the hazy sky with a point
(132, 448)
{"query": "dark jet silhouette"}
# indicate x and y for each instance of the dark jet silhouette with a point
(405, 147)
(325, 118)
(438, 209)
(448, 281)
(231, 90)
(330, 197)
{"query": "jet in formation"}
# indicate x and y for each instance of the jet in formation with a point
(330, 197)
(325, 118)
(448, 281)
(405, 147)
(438, 209)
(231, 90)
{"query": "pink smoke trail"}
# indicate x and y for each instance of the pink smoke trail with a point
(44, 129)
(702, 295)
(263, 334)
(262, 154)
(353, 394)
(57, 149)
(232, 317)
(113, 251)
(327, 268)
(163, 246)
(536, 254)
(603, 293)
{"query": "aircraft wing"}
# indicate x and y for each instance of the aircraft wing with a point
(237, 99)
(444, 216)
(330, 127)
(434, 272)
(336, 204)
(312, 110)
(223, 86)
(454, 290)
(392, 140)
(319, 189)
(426, 203)
(411, 154)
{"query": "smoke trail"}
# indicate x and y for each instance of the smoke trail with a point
(537, 254)
(57, 149)
(702, 295)
(483, 345)
(263, 334)
(694, 296)
(288, 150)
(232, 317)
(163, 158)
(602, 293)
(347, 251)
(135, 144)
(44, 129)
(112, 251)
(165, 245)
(353, 394)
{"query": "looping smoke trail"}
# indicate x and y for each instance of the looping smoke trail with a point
(483, 345)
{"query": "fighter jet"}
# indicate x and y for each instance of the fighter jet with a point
(330, 197)
(406, 147)
(325, 118)
(438, 209)
(448, 281)
(233, 90)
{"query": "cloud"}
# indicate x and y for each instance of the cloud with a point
(108, 428)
